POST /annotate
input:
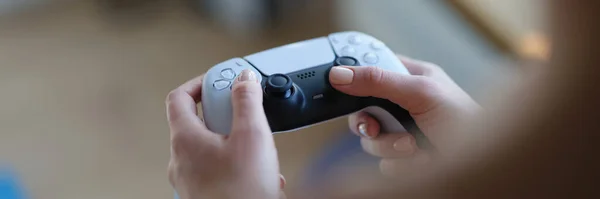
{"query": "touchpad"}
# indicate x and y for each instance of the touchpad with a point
(293, 57)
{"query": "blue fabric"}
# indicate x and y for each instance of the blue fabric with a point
(10, 187)
(347, 145)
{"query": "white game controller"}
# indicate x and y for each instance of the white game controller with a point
(297, 93)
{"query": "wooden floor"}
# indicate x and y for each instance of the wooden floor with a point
(82, 112)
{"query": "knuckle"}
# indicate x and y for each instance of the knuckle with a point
(429, 93)
(171, 104)
(172, 96)
(427, 86)
(367, 147)
(179, 143)
(245, 93)
(432, 68)
(374, 75)
(372, 147)
(244, 90)
(172, 172)
(357, 117)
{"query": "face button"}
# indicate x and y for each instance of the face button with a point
(221, 84)
(227, 73)
(346, 61)
(371, 58)
(334, 40)
(377, 45)
(279, 85)
(348, 51)
(354, 40)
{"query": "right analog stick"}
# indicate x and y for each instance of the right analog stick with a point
(346, 61)
(279, 86)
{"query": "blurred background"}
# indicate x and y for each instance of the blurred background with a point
(83, 82)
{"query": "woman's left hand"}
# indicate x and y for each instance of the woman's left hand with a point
(204, 164)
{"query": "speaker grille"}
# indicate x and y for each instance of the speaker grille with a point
(306, 75)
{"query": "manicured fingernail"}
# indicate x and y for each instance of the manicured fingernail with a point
(247, 75)
(341, 75)
(363, 129)
(403, 144)
(282, 181)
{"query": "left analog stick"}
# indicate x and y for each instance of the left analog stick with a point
(279, 86)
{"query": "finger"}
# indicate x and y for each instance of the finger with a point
(393, 167)
(419, 67)
(423, 68)
(390, 145)
(250, 124)
(181, 104)
(362, 124)
(421, 159)
(282, 182)
(282, 195)
(193, 88)
(188, 133)
(417, 94)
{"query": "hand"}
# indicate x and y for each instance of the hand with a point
(429, 95)
(204, 164)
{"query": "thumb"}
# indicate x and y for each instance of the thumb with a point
(250, 126)
(417, 94)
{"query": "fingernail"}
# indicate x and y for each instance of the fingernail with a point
(341, 75)
(282, 181)
(247, 75)
(403, 144)
(363, 129)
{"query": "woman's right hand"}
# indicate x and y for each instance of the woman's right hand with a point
(431, 97)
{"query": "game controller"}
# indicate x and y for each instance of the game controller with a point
(297, 93)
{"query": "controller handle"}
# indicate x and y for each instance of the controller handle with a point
(360, 49)
(393, 118)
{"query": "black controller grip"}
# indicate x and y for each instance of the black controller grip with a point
(402, 116)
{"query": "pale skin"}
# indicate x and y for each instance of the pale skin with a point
(539, 143)
(428, 94)
(432, 98)
(207, 165)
